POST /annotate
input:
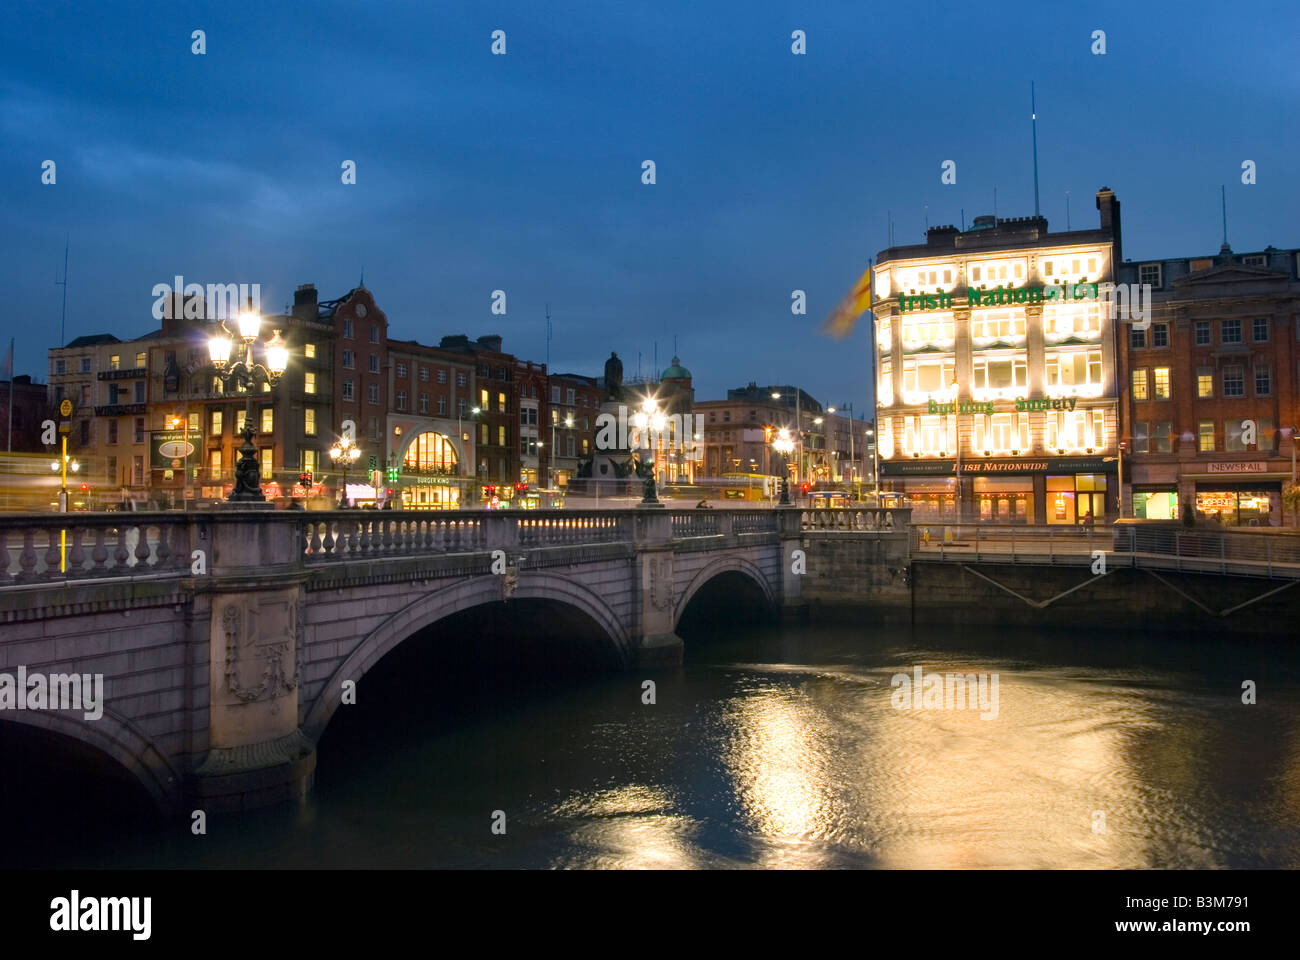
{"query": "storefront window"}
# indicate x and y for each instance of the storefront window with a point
(430, 453)
(1155, 505)
(1005, 499)
(1235, 508)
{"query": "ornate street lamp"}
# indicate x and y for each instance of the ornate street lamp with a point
(347, 453)
(247, 373)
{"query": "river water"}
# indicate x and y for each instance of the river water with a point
(782, 747)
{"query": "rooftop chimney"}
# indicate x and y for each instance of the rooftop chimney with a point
(1109, 208)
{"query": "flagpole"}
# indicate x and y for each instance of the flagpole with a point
(9, 447)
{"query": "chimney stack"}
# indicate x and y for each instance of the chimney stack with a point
(1109, 209)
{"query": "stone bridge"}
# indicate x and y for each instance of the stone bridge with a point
(227, 639)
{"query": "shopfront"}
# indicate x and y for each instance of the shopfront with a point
(430, 493)
(1255, 503)
(1156, 502)
(1060, 490)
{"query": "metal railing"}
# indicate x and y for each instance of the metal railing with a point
(1163, 547)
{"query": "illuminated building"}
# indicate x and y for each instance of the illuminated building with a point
(996, 371)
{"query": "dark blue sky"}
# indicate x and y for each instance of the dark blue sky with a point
(522, 172)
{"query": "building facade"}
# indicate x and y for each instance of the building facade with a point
(1210, 388)
(997, 386)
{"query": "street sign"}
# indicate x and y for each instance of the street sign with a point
(65, 408)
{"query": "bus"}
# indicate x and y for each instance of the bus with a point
(29, 483)
(748, 486)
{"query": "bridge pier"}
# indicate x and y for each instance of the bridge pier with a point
(657, 642)
(789, 526)
(257, 755)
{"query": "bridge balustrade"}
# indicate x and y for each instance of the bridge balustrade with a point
(856, 519)
(47, 548)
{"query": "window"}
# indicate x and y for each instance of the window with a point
(309, 351)
(1162, 383)
(114, 362)
(194, 423)
(347, 329)
(60, 366)
(401, 371)
(483, 434)
(424, 403)
(374, 363)
(1232, 435)
(1202, 333)
(139, 391)
(460, 378)
(239, 421)
(1205, 436)
(1263, 381)
(140, 361)
(501, 436)
(216, 423)
(484, 399)
(347, 389)
(309, 382)
(85, 395)
(989, 325)
(568, 396)
(401, 399)
(112, 431)
(112, 470)
(442, 406)
(886, 389)
(309, 461)
(309, 421)
(139, 429)
(1230, 331)
(347, 360)
(1259, 329)
(1204, 383)
(268, 462)
(570, 443)
(929, 328)
(1255, 260)
(1075, 368)
(442, 376)
(374, 393)
(214, 465)
(461, 405)
(1137, 339)
(1140, 384)
(555, 394)
(932, 375)
(1234, 383)
(1141, 437)
(501, 403)
(268, 420)
(1162, 436)
(374, 333)
(1150, 273)
(1160, 335)
(424, 374)
(1267, 435)
(85, 364)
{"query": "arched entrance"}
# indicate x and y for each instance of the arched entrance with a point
(430, 472)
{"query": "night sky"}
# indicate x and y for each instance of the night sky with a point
(522, 172)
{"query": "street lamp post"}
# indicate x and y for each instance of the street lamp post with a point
(174, 421)
(347, 453)
(247, 373)
(798, 425)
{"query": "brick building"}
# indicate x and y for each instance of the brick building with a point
(31, 407)
(1221, 357)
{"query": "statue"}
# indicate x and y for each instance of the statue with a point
(248, 481)
(648, 490)
(613, 377)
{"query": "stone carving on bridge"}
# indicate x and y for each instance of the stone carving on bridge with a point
(509, 582)
(661, 583)
(263, 656)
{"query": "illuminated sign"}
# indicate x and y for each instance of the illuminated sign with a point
(1002, 296)
(986, 406)
(1250, 466)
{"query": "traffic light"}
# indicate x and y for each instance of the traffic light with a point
(392, 474)
(305, 478)
(805, 487)
(374, 463)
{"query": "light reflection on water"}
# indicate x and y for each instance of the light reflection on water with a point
(783, 750)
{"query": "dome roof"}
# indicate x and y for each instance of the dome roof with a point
(676, 372)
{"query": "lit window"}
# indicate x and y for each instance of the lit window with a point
(114, 362)
(216, 423)
(1205, 436)
(1162, 383)
(501, 402)
(268, 420)
(309, 351)
(268, 462)
(309, 382)
(1204, 383)
(140, 361)
(309, 421)
(1140, 384)
(886, 383)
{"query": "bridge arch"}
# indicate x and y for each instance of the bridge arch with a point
(427, 609)
(117, 738)
(724, 564)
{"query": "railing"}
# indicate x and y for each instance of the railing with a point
(1158, 546)
(371, 535)
(856, 519)
(753, 521)
(57, 547)
(698, 523)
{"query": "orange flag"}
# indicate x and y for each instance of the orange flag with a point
(845, 316)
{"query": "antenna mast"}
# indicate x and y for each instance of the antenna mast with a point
(1033, 109)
